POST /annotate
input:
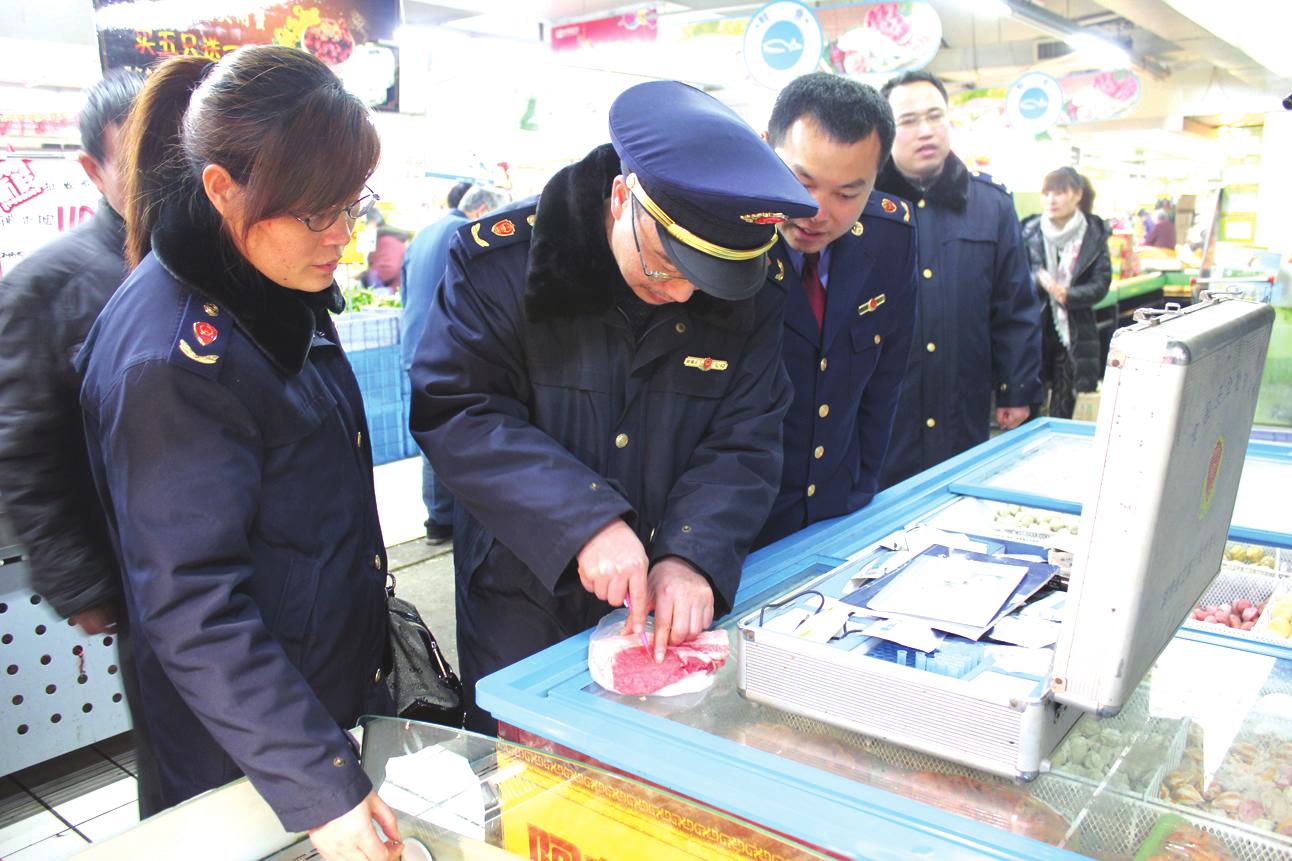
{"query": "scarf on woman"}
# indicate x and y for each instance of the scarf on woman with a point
(1062, 245)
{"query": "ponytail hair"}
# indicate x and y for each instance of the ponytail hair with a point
(1068, 179)
(277, 119)
(152, 153)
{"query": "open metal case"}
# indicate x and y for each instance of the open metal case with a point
(1179, 395)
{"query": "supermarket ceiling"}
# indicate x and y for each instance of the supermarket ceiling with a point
(986, 42)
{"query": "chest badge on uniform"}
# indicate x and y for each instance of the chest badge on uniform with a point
(200, 359)
(706, 364)
(858, 228)
(888, 205)
(874, 302)
(205, 332)
(503, 228)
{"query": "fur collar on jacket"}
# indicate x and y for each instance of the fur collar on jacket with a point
(571, 269)
(190, 243)
(949, 191)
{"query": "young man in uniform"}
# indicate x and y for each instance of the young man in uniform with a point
(848, 276)
(600, 384)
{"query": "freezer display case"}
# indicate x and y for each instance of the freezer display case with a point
(1197, 763)
(459, 796)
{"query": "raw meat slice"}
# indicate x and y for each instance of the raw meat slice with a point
(621, 665)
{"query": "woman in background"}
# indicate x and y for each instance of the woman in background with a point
(1067, 245)
(229, 446)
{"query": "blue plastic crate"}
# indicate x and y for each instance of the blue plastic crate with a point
(366, 330)
(387, 428)
(381, 378)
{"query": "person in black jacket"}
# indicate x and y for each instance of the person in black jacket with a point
(1068, 249)
(47, 304)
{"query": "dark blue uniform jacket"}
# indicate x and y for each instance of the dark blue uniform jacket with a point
(547, 419)
(978, 332)
(848, 374)
(228, 446)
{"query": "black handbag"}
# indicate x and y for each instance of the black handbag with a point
(419, 677)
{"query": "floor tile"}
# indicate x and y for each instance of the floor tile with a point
(112, 823)
(98, 801)
(55, 848)
(27, 831)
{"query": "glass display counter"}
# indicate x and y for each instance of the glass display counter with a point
(1199, 763)
(459, 796)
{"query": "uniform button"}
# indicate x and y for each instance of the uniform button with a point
(928, 273)
(931, 422)
(680, 328)
(376, 677)
(686, 527)
(931, 347)
(338, 762)
(878, 339)
(358, 440)
(621, 441)
(824, 410)
(376, 562)
(811, 489)
(1004, 386)
(594, 486)
(824, 363)
(818, 452)
(920, 203)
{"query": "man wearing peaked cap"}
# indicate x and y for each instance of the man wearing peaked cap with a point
(600, 384)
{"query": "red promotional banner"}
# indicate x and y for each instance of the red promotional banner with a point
(638, 26)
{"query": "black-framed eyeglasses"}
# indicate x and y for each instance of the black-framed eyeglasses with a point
(649, 273)
(321, 221)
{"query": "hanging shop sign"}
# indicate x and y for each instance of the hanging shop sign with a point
(345, 34)
(782, 41)
(1093, 96)
(874, 41)
(636, 26)
(1034, 103)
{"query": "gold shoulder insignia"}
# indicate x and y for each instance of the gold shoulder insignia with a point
(505, 227)
(475, 234)
(906, 209)
(188, 351)
(780, 271)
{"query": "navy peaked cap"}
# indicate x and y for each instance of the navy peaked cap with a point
(715, 187)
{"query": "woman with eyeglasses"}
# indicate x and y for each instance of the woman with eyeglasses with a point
(229, 446)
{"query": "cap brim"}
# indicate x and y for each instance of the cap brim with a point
(732, 280)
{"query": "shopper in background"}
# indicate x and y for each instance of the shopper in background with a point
(228, 443)
(424, 266)
(386, 259)
(47, 305)
(978, 332)
(1162, 234)
(601, 385)
(1067, 246)
(848, 277)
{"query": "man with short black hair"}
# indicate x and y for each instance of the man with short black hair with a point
(979, 330)
(848, 277)
(47, 305)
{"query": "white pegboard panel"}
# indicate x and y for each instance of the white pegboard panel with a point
(61, 690)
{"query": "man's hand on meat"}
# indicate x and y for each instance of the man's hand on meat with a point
(612, 566)
(683, 603)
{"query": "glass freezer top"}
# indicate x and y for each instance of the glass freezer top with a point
(1202, 752)
(1056, 465)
